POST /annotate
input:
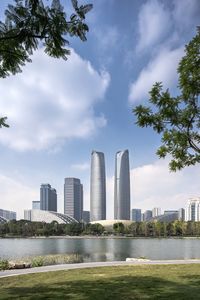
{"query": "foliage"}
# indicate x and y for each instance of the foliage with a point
(4, 264)
(118, 227)
(29, 25)
(37, 261)
(177, 118)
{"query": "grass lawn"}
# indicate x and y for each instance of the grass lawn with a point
(128, 282)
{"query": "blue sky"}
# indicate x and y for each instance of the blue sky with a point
(60, 111)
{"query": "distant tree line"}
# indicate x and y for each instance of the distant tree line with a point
(25, 228)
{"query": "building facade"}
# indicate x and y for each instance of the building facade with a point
(37, 215)
(86, 216)
(122, 186)
(97, 187)
(35, 204)
(8, 215)
(136, 215)
(181, 214)
(73, 198)
(48, 198)
(192, 211)
(147, 215)
(156, 211)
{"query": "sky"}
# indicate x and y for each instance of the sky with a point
(59, 111)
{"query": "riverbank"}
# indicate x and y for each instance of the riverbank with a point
(118, 282)
(98, 237)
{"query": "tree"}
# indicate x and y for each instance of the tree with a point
(177, 118)
(30, 24)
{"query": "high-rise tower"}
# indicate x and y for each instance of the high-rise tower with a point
(73, 198)
(122, 186)
(97, 187)
(48, 198)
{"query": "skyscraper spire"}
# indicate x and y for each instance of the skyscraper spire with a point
(122, 186)
(97, 187)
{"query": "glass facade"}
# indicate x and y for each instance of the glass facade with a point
(122, 186)
(73, 198)
(97, 187)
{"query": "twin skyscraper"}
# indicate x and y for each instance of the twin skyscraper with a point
(121, 186)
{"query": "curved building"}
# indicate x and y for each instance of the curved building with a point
(36, 215)
(122, 186)
(97, 187)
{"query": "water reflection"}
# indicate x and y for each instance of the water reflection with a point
(98, 249)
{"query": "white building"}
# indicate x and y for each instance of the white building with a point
(192, 211)
(156, 211)
(35, 215)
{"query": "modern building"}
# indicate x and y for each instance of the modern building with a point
(48, 198)
(35, 204)
(168, 212)
(168, 217)
(181, 214)
(86, 216)
(136, 215)
(97, 187)
(8, 215)
(122, 186)
(36, 215)
(73, 198)
(147, 215)
(192, 211)
(156, 211)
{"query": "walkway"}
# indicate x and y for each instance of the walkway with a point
(94, 265)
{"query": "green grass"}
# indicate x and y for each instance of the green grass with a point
(115, 283)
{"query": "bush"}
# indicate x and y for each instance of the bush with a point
(4, 264)
(37, 261)
(56, 259)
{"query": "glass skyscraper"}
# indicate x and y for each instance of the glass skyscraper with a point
(48, 198)
(97, 187)
(122, 186)
(73, 198)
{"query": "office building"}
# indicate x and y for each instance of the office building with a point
(122, 186)
(192, 211)
(147, 215)
(156, 211)
(48, 198)
(168, 212)
(86, 216)
(8, 215)
(181, 214)
(97, 187)
(35, 204)
(136, 215)
(73, 198)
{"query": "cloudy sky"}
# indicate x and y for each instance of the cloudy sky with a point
(60, 111)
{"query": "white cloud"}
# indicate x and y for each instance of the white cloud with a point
(52, 100)
(162, 68)
(154, 23)
(186, 14)
(154, 186)
(16, 196)
(81, 167)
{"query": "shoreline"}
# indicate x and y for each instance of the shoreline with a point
(98, 237)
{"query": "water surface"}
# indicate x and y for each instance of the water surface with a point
(103, 249)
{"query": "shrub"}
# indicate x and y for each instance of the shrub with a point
(37, 261)
(4, 264)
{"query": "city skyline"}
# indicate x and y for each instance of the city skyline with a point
(59, 110)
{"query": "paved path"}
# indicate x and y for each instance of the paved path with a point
(8, 273)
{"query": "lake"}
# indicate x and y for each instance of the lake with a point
(102, 249)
